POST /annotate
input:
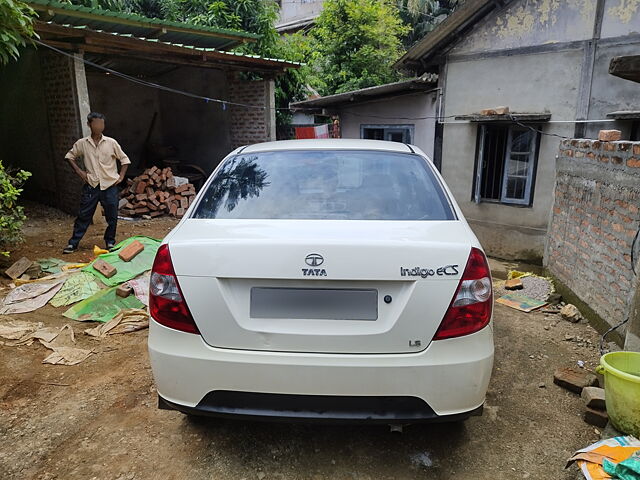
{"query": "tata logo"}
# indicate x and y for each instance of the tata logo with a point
(314, 260)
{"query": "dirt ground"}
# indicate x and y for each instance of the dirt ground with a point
(98, 419)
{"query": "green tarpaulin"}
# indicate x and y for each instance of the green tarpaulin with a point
(52, 265)
(77, 287)
(127, 270)
(102, 306)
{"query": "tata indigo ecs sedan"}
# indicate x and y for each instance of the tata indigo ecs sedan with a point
(331, 280)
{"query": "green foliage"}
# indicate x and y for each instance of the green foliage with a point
(255, 16)
(16, 26)
(423, 16)
(293, 85)
(147, 8)
(356, 44)
(11, 214)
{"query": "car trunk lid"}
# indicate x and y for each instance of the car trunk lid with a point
(321, 286)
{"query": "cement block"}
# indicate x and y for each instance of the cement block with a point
(598, 418)
(594, 397)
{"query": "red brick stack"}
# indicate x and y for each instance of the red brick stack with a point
(154, 193)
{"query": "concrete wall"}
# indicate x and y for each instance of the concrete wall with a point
(395, 111)
(596, 215)
(525, 23)
(23, 116)
(545, 82)
(620, 17)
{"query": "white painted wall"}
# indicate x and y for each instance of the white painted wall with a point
(527, 83)
(297, 10)
(401, 110)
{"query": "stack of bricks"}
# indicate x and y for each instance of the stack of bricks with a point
(155, 193)
(595, 218)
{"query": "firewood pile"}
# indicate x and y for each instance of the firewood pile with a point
(155, 193)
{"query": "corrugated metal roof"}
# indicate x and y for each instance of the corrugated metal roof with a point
(279, 63)
(426, 82)
(469, 13)
(139, 26)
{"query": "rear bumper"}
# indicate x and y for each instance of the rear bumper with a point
(314, 408)
(446, 381)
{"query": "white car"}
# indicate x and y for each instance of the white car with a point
(331, 280)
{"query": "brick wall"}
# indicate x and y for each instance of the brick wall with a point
(65, 124)
(595, 218)
(249, 125)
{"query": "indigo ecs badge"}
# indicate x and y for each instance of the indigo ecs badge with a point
(447, 270)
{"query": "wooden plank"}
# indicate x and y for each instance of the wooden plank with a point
(627, 67)
(18, 268)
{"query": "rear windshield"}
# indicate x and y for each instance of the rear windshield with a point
(330, 185)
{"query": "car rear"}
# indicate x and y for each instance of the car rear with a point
(323, 281)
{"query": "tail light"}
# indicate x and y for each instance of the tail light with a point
(166, 302)
(470, 309)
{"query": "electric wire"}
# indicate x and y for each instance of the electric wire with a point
(604, 335)
(146, 83)
(225, 103)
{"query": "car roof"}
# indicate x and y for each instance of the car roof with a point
(328, 144)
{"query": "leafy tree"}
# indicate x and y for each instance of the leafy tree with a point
(11, 214)
(356, 43)
(423, 16)
(148, 8)
(255, 16)
(16, 26)
(292, 86)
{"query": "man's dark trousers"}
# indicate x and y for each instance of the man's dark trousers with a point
(88, 202)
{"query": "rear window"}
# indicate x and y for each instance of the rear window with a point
(330, 185)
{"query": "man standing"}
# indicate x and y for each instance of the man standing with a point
(101, 179)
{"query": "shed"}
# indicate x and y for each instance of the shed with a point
(403, 111)
(173, 94)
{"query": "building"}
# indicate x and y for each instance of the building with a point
(173, 95)
(403, 111)
(297, 14)
(549, 63)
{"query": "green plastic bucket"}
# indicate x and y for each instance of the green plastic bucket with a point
(621, 372)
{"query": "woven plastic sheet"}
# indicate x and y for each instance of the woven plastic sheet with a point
(77, 287)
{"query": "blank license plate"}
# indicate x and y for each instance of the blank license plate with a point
(314, 303)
